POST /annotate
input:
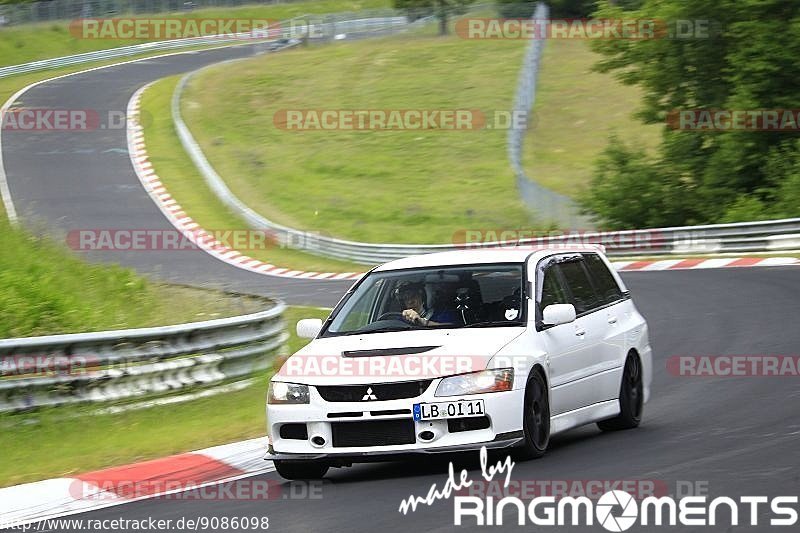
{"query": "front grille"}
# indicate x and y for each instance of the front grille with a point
(373, 433)
(380, 391)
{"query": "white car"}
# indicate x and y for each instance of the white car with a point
(457, 350)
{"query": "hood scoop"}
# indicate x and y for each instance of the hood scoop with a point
(377, 352)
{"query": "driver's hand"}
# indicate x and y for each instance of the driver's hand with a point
(410, 316)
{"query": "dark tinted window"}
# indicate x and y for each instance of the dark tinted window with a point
(583, 295)
(604, 281)
(552, 291)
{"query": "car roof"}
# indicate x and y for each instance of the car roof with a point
(511, 254)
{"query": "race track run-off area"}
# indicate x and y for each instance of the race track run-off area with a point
(730, 436)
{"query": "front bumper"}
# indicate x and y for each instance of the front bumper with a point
(505, 440)
(503, 411)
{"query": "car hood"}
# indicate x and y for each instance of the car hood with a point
(395, 356)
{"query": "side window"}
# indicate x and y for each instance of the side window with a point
(604, 281)
(583, 296)
(552, 291)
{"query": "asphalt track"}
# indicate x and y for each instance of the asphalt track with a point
(737, 435)
(62, 180)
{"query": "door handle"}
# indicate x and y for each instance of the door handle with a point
(580, 332)
(612, 320)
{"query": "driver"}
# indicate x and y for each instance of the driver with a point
(412, 299)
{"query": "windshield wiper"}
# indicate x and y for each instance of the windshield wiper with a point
(386, 329)
(491, 323)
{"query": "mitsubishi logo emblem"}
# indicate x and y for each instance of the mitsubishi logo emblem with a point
(369, 396)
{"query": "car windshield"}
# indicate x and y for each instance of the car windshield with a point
(436, 297)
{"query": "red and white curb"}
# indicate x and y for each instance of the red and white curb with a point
(193, 471)
(188, 227)
(204, 240)
(699, 263)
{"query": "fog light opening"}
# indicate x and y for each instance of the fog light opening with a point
(426, 435)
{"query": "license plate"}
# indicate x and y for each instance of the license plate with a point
(456, 409)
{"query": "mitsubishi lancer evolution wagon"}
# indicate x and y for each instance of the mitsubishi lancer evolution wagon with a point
(453, 351)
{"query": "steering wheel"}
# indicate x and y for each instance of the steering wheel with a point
(392, 314)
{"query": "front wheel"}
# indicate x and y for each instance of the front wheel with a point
(535, 418)
(301, 469)
(631, 398)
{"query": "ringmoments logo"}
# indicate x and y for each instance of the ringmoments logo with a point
(615, 510)
(605, 508)
(618, 510)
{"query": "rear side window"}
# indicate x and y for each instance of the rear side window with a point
(604, 281)
(580, 286)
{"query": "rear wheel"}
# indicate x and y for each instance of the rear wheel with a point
(631, 398)
(301, 469)
(535, 418)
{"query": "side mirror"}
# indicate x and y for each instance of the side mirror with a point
(308, 328)
(556, 314)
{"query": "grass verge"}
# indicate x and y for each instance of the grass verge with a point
(575, 111)
(413, 186)
(57, 442)
(32, 42)
(47, 290)
(187, 187)
(404, 186)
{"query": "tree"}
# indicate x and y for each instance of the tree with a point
(630, 191)
(442, 9)
(739, 55)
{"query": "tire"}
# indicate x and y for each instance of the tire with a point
(535, 418)
(631, 398)
(301, 469)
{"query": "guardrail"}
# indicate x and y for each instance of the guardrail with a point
(113, 365)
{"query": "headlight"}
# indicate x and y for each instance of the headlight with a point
(498, 380)
(280, 392)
